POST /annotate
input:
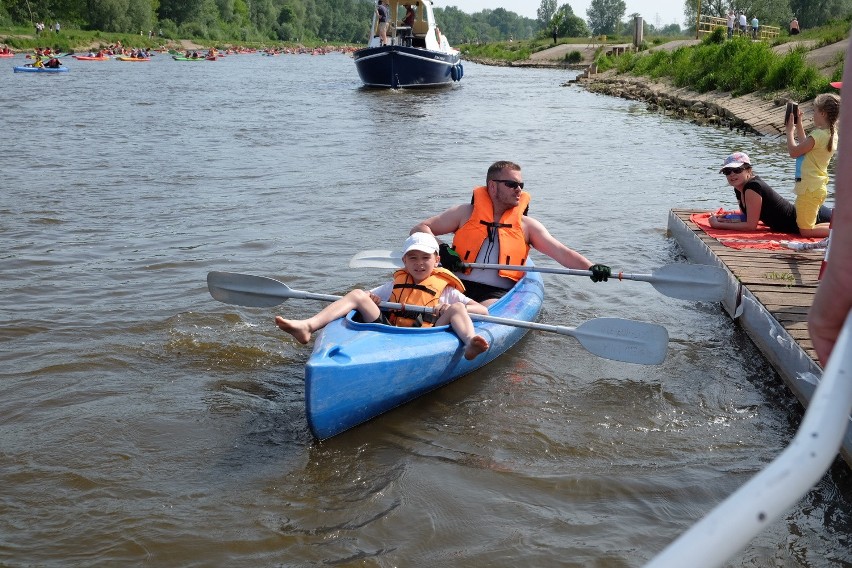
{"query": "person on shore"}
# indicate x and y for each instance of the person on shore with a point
(755, 27)
(813, 153)
(757, 201)
(794, 26)
(731, 19)
(494, 228)
(420, 283)
(833, 300)
(743, 24)
(384, 15)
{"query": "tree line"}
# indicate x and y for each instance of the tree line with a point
(347, 21)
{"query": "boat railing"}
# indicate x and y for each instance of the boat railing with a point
(730, 526)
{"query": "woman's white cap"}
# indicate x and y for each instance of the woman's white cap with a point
(422, 242)
(736, 160)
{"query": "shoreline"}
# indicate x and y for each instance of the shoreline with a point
(758, 113)
(750, 114)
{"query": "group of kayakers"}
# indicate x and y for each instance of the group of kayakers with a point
(211, 54)
(492, 228)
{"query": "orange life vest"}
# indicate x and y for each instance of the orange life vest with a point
(509, 232)
(427, 293)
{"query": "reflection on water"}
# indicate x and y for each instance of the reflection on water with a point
(141, 421)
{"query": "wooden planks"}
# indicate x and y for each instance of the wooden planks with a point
(784, 282)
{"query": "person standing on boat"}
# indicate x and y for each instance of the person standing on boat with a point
(420, 283)
(494, 228)
(384, 15)
(409, 16)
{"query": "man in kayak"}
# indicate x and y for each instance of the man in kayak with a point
(494, 228)
(420, 283)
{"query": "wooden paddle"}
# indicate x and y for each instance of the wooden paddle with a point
(611, 338)
(696, 282)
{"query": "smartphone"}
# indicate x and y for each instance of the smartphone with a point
(792, 108)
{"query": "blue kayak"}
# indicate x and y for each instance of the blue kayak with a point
(358, 371)
(25, 69)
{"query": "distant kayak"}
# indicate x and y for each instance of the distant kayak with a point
(25, 69)
(183, 58)
(91, 57)
(128, 58)
(7, 55)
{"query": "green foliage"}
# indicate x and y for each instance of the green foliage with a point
(717, 36)
(605, 16)
(514, 51)
(545, 12)
(573, 56)
(258, 20)
(738, 66)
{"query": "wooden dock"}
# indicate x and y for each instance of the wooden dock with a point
(768, 293)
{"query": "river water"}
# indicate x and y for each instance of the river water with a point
(144, 423)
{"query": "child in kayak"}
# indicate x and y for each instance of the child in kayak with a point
(420, 283)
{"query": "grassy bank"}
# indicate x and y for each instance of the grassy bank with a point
(510, 51)
(739, 65)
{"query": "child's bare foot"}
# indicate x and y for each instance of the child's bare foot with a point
(297, 328)
(476, 347)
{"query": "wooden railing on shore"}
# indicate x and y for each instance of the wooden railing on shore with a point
(706, 25)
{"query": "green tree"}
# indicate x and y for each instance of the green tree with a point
(569, 24)
(813, 13)
(179, 11)
(545, 13)
(605, 15)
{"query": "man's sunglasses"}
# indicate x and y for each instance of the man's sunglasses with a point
(729, 171)
(510, 183)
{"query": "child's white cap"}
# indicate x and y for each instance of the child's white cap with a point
(422, 242)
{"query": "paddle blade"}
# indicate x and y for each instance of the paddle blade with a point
(624, 340)
(377, 259)
(695, 282)
(246, 290)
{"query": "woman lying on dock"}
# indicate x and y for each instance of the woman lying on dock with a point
(757, 201)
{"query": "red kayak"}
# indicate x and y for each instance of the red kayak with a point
(91, 57)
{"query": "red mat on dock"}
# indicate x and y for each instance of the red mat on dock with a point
(762, 238)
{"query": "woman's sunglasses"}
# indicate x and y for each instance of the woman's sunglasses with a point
(729, 171)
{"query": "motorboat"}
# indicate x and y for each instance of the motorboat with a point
(416, 53)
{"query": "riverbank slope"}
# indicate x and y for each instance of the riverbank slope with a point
(756, 113)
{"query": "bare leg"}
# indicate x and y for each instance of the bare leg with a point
(459, 320)
(359, 300)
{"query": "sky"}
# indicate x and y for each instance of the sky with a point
(663, 11)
